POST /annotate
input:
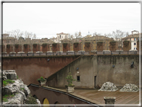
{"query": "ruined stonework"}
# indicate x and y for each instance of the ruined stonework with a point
(15, 92)
(10, 74)
(108, 86)
(129, 88)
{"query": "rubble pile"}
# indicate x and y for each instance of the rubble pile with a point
(108, 86)
(129, 88)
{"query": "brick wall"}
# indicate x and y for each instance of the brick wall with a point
(26, 48)
(9, 48)
(138, 45)
(18, 48)
(113, 46)
(87, 46)
(100, 46)
(76, 47)
(126, 45)
(55, 47)
(66, 47)
(45, 48)
(36, 47)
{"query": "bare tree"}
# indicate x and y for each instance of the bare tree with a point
(17, 33)
(29, 35)
(96, 34)
(118, 35)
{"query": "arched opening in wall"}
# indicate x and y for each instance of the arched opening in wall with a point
(46, 103)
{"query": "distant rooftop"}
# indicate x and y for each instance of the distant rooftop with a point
(62, 33)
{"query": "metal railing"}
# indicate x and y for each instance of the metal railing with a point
(72, 53)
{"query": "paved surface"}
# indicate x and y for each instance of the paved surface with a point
(98, 96)
(121, 97)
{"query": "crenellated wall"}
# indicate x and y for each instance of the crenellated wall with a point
(76, 46)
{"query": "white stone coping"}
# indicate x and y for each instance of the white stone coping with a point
(70, 51)
(49, 52)
(39, 52)
(109, 97)
(30, 52)
(4, 52)
(133, 50)
(106, 51)
(12, 52)
(21, 52)
(81, 51)
(59, 51)
(119, 50)
(93, 50)
(9, 71)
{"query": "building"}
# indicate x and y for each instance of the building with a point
(62, 36)
(5, 35)
(134, 37)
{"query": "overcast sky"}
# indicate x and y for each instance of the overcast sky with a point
(47, 19)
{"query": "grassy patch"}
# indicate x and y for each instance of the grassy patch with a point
(30, 100)
(22, 89)
(5, 98)
(8, 81)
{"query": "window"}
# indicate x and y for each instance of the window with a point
(135, 39)
(78, 78)
(60, 36)
(134, 43)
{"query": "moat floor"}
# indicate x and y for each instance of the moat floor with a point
(98, 96)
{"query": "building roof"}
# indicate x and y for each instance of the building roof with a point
(132, 36)
(62, 33)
